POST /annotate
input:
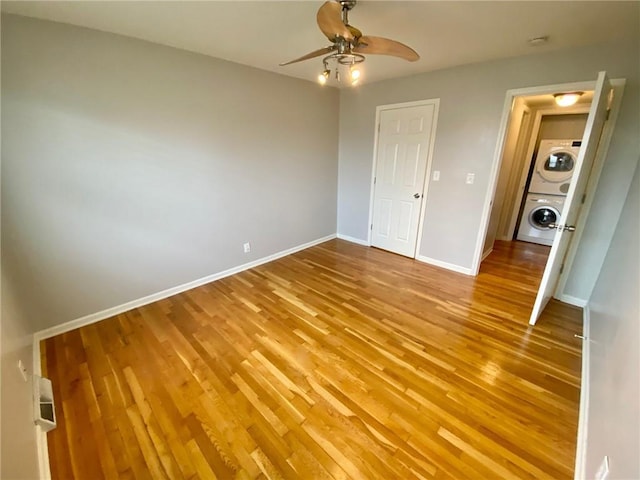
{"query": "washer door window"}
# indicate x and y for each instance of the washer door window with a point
(542, 217)
(558, 167)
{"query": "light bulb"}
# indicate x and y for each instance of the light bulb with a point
(355, 74)
(322, 78)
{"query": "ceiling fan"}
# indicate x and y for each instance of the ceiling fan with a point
(349, 45)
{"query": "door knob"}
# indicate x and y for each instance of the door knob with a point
(569, 228)
(416, 195)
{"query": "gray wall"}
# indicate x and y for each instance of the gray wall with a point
(18, 434)
(562, 127)
(614, 412)
(471, 103)
(130, 168)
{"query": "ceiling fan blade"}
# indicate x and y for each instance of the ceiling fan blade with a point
(330, 21)
(315, 53)
(384, 46)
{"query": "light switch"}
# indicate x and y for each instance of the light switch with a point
(470, 178)
(436, 175)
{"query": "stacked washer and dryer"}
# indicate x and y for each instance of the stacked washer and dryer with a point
(550, 181)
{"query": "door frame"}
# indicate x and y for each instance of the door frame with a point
(432, 138)
(618, 87)
(520, 153)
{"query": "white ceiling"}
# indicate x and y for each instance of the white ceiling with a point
(265, 33)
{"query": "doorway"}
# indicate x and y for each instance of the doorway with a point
(595, 142)
(404, 139)
(530, 191)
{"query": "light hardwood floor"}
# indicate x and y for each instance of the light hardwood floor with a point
(339, 361)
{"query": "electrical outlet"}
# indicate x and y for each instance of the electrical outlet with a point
(603, 470)
(247, 247)
(470, 178)
(436, 175)
(23, 371)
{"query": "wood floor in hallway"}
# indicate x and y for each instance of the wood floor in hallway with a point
(339, 361)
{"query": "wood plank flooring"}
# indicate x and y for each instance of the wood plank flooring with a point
(337, 362)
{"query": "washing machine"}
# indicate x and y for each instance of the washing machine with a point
(554, 166)
(540, 210)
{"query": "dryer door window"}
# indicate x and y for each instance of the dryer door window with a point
(558, 167)
(542, 217)
(559, 162)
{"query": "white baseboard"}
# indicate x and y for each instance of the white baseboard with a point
(575, 301)
(583, 419)
(448, 266)
(353, 240)
(110, 312)
(44, 469)
(486, 254)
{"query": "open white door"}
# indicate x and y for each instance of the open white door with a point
(401, 163)
(575, 195)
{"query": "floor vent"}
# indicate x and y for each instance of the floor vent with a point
(44, 410)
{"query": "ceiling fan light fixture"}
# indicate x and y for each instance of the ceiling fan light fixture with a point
(348, 44)
(567, 99)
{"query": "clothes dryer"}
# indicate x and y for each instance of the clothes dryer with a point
(539, 212)
(554, 166)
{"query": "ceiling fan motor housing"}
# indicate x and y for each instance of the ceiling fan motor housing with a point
(347, 4)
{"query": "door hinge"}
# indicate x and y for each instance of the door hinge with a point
(378, 127)
(584, 197)
(561, 268)
(608, 113)
(374, 180)
(372, 226)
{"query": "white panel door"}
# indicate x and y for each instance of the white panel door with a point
(575, 196)
(401, 163)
